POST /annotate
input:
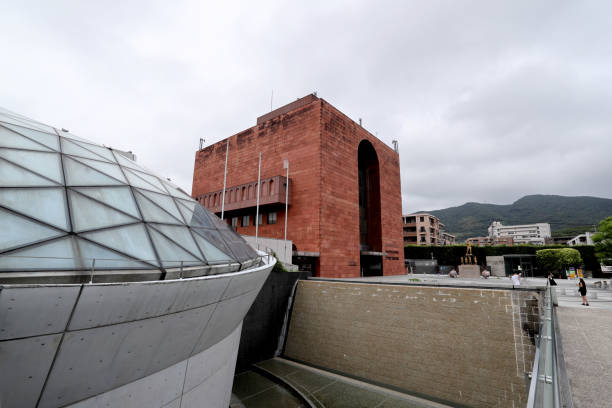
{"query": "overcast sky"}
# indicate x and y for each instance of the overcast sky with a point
(489, 100)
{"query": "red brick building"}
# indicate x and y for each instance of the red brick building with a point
(344, 188)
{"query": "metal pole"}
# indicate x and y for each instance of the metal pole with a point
(93, 266)
(224, 179)
(286, 164)
(257, 210)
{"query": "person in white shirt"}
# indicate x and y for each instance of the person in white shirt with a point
(516, 279)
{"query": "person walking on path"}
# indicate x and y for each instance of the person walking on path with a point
(516, 279)
(583, 291)
(551, 280)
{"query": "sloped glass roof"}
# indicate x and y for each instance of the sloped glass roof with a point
(65, 201)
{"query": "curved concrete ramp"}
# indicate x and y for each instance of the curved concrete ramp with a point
(323, 389)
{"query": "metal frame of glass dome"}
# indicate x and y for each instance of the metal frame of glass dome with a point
(71, 205)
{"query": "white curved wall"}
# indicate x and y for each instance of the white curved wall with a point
(63, 344)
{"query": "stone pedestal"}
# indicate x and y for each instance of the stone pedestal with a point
(469, 271)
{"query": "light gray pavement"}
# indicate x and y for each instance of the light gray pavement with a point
(599, 298)
(586, 334)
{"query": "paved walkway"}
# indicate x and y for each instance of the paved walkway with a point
(586, 334)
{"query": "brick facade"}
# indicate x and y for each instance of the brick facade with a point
(321, 144)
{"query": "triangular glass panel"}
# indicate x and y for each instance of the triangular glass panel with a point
(15, 176)
(45, 204)
(72, 137)
(120, 198)
(152, 212)
(213, 219)
(99, 150)
(214, 237)
(20, 120)
(72, 148)
(162, 200)
(151, 179)
(212, 253)
(78, 174)
(240, 248)
(187, 215)
(196, 218)
(180, 235)
(58, 254)
(175, 191)
(43, 163)
(109, 169)
(172, 255)
(107, 259)
(131, 240)
(9, 138)
(190, 204)
(18, 231)
(137, 181)
(49, 140)
(88, 214)
(125, 162)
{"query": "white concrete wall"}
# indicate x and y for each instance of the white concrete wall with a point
(283, 249)
(61, 344)
(497, 264)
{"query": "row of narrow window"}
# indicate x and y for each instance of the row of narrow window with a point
(238, 194)
(245, 220)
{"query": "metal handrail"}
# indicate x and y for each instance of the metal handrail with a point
(544, 385)
(92, 262)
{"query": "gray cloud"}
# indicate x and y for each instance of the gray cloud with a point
(489, 100)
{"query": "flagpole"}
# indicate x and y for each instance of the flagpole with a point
(257, 210)
(224, 179)
(286, 164)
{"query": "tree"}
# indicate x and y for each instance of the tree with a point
(570, 257)
(557, 259)
(603, 240)
(547, 260)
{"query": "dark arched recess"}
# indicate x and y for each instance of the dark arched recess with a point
(370, 228)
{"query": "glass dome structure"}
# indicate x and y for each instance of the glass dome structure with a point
(69, 204)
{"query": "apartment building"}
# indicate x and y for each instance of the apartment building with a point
(535, 234)
(446, 238)
(487, 241)
(425, 229)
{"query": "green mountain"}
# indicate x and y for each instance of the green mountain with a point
(562, 213)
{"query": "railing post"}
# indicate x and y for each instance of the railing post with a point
(93, 265)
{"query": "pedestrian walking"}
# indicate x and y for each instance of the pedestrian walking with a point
(551, 280)
(583, 291)
(516, 279)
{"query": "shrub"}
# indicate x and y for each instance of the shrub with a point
(451, 254)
